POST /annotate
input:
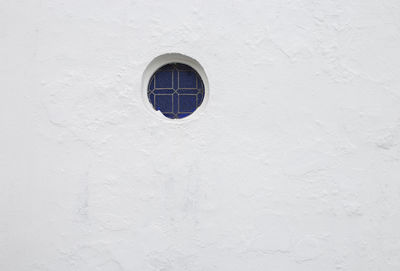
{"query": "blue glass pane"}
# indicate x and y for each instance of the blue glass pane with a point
(163, 79)
(187, 79)
(163, 103)
(164, 91)
(176, 90)
(187, 103)
(151, 85)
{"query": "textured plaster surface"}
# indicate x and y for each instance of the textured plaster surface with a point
(294, 164)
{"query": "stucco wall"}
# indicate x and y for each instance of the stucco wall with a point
(294, 163)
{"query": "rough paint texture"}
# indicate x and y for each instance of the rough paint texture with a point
(293, 165)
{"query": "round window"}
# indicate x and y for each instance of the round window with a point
(176, 90)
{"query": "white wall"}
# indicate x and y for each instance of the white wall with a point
(294, 164)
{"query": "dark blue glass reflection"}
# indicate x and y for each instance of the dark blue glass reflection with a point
(176, 90)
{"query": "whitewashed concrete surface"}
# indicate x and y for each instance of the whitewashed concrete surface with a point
(294, 163)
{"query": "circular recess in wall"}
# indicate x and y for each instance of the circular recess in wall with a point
(175, 87)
